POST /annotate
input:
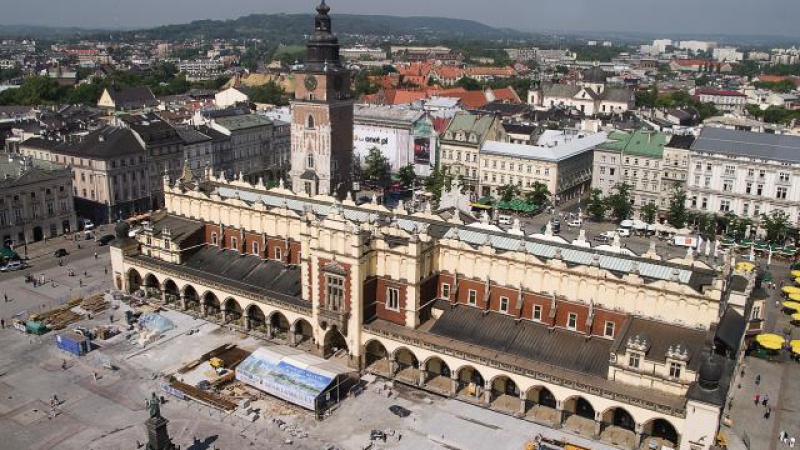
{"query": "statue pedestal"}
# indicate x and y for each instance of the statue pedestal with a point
(157, 436)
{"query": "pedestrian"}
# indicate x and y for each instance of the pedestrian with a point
(758, 379)
(5, 297)
(95, 255)
(106, 269)
(766, 400)
(94, 374)
(768, 413)
(80, 282)
(742, 374)
(3, 324)
(757, 398)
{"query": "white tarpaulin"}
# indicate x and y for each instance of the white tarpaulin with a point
(290, 374)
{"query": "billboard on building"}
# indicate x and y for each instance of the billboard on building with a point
(422, 150)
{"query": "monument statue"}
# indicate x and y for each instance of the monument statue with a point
(155, 409)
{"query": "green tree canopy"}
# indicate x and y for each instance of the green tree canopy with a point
(538, 195)
(676, 213)
(470, 84)
(271, 93)
(439, 181)
(620, 202)
(377, 169)
(776, 224)
(407, 175)
(508, 192)
(596, 205)
(649, 212)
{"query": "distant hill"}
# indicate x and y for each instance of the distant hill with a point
(45, 32)
(293, 27)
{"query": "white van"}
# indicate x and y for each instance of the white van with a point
(504, 219)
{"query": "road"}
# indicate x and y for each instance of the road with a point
(90, 276)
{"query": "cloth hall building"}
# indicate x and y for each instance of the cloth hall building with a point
(619, 347)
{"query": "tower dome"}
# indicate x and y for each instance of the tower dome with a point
(710, 373)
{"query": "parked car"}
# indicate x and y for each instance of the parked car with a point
(623, 232)
(60, 253)
(12, 265)
(556, 226)
(575, 223)
(105, 239)
(88, 224)
(604, 237)
(504, 219)
(399, 411)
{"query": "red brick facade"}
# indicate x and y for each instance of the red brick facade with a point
(382, 310)
(322, 282)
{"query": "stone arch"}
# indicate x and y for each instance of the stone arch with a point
(232, 310)
(619, 417)
(171, 292)
(661, 428)
(256, 319)
(334, 342)
(279, 324)
(191, 298)
(579, 406)
(540, 395)
(303, 331)
(436, 366)
(502, 386)
(376, 357)
(152, 287)
(405, 358)
(211, 304)
(134, 280)
(469, 381)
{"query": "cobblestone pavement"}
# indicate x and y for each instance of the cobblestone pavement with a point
(780, 380)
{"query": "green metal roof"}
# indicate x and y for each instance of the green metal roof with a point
(640, 142)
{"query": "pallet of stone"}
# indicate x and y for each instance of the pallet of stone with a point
(201, 396)
(94, 304)
(58, 318)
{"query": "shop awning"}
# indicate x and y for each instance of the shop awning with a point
(290, 374)
(770, 341)
(790, 290)
(795, 306)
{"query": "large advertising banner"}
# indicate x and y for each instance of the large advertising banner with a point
(422, 150)
(282, 380)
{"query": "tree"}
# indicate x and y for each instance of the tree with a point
(508, 192)
(439, 181)
(648, 212)
(776, 225)
(539, 194)
(676, 213)
(270, 93)
(620, 202)
(596, 205)
(469, 84)
(377, 169)
(407, 175)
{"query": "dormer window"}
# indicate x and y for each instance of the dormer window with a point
(675, 369)
(634, 359)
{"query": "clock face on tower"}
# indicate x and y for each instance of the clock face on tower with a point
(311, 82)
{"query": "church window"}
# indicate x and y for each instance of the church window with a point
(310, 122)
(310, 161)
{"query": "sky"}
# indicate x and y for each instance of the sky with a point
(762, 17)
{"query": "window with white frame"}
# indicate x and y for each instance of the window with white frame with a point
(537, 312)
(234, 243)
(334, 292)
(608, 331)
(255, 248)
(472, 297)
(633, 360)
(278, 254)
(214, 238)
(724, 205)
(504, 304)
(781, 193)
(675, 369)
(783, 177)
(445, 291)
(572, 321)
(393, 299)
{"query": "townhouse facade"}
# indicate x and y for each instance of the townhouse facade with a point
(744, 173)
(35, 201)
